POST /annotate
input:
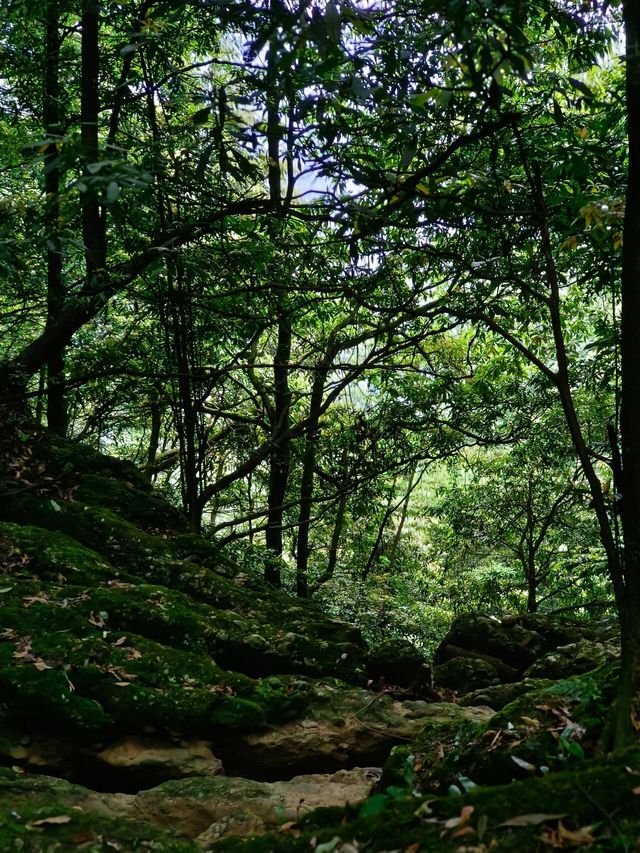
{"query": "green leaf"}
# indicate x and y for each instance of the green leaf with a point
(130, 48)
(113, 191)
(328, 846)
(374, 805)
(581, 87)
(201, 116)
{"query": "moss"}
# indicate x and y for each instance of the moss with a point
(69, 460)
(96, 662)
(120, 542)
(435, 755)
(34, 551)
(196, 549)
(550, 726)
(587, 695)
(49, 695)
(600, 795)
(139, 507)
(25, 800)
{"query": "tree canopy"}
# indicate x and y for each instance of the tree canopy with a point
(355, 284)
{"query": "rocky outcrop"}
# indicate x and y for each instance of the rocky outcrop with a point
(182, 815)
(481, 651)
(396, 663)
(136, 660)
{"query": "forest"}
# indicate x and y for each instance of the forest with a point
(320, 425)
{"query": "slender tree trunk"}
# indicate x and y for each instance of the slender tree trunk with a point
(281, 445)
(279, 460)
(629, 606)
(338, 526)
(532, 592)
(154, 438)
(57, 419)
(403, 512)
(336, 536)
(93, 225)
(186, 414)
(312, 435)
(390, 509)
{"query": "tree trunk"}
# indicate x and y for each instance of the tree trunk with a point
(629, 606)
(93, 225)
(154, 439)
(307, 479)
(57, 419)
(403, 512)
(281, 445)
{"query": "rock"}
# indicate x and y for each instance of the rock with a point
(429, 761)
(507, 640)
(343, 727)
(502, 694)
(551, 724)
(504, 671)
(514, 647)
(398, 663)
(464, 674)
(573, 659)
(215, 807)
(156, 759)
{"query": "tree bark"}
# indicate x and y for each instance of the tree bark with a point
(280, 454)
(307, 478)
(93, 224)
(629, 606)
(57, 419)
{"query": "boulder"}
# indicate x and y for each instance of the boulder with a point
(506, 640)
(158, 759)
(343, 726)
(215, 807)
(464, 674)
(573, 659)
(397, 663)
(429, 762)
(500, 695)
(532, 645)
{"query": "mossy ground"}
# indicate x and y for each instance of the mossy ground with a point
(600, 801)
(116, 619)
(38, 816)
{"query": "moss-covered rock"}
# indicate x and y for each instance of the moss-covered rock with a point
(43, 815)
(543, 729)
(431, 761)
(499, 695)
(465, 674)
(595, 807)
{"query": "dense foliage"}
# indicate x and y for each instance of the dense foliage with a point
(342, 279)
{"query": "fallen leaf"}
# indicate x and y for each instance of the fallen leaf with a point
(122, 683)
(464, 830)
(563, 837)
(636, 791)
(120, 641)
(290, 824)
(526, 765)
(97, 619)
(461, 820)
(531, 819)
(41, 665)
(412, 848)
(45, 821)
(41, 598)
